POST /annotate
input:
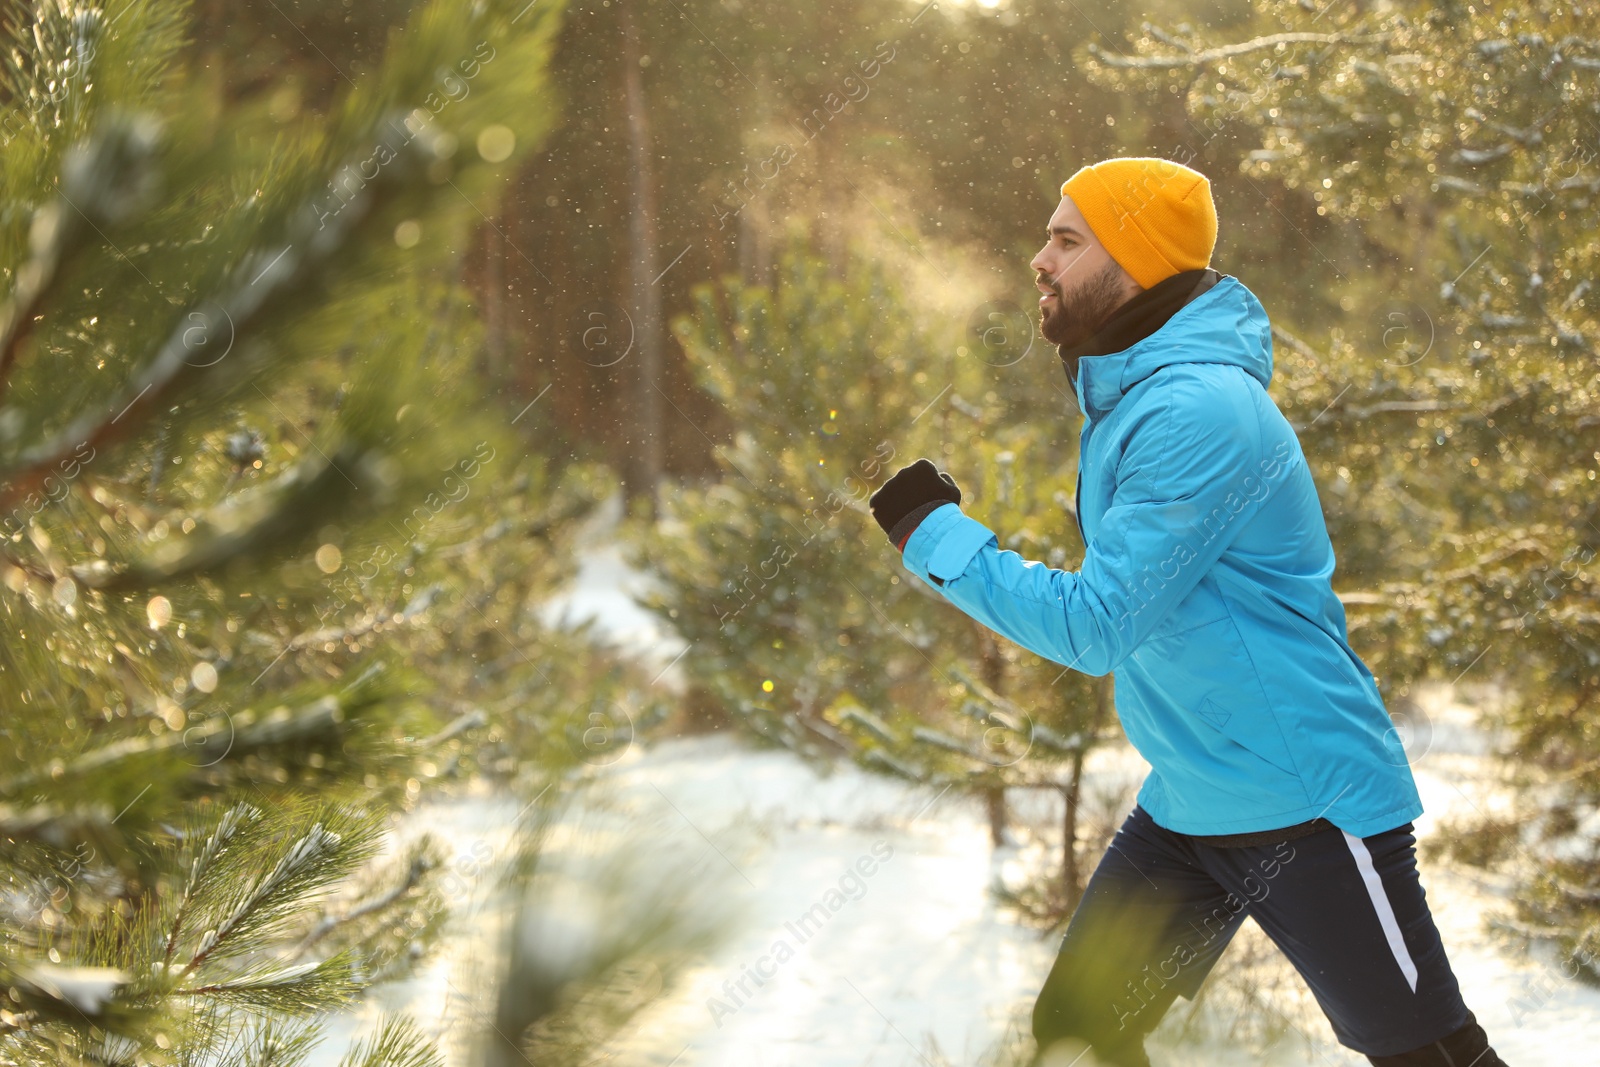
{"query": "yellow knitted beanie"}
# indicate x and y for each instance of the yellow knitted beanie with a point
(1154, 216)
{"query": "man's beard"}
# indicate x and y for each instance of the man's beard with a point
(1079, 312)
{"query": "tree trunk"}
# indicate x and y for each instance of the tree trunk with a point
(992, 669)
(755, 256)
(494, 297)
(1072, 877)
(994, 800)
(643, 468)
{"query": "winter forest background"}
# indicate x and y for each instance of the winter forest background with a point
(440, 620)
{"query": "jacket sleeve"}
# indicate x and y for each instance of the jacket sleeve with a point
(1193, 473)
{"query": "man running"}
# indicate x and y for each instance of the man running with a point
(1278, 788)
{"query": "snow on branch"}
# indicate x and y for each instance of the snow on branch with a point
(1228, 51)
(242, 732)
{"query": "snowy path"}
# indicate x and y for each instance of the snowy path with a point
(906, 951)
(911, 964)
(915, 957)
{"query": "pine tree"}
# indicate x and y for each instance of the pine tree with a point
(802, 624)
(266, 549)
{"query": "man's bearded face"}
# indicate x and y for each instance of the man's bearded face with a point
(1069, 313)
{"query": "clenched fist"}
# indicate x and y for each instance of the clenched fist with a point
(907, 498)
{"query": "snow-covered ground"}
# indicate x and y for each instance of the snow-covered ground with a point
(603, 590)
(907, 960)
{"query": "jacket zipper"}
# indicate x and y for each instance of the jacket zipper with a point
(1077, 492)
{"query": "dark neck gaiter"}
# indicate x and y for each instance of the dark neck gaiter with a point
(1138, 318)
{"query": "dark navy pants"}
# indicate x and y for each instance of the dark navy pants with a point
(1348, 912)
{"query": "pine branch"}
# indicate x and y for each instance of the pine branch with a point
(241, 733)
(112, 176)
(822, 728)
(49, 62)
(639, 902)
(1279, 333)
(398, 1043)
(469, 720)
(1212, 55)
(560, 518)
(218, 840)
(308, 987)
(264, 283)
(75, 995)
(52, 825)
(1381, 407)
(245, 893)
(271, 1042)
(248, 526)
(383, 616)
(291, 871)
(322, 854)
(287, 265)
(877, 757)
(419, 866)
(977, 688)
(1165, 38)
(936, 738)
(871, 723)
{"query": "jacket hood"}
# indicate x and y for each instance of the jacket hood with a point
(1225, 324)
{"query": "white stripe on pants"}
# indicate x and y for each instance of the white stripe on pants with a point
(1380, 903)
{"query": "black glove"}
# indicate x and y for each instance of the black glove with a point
(908, 498)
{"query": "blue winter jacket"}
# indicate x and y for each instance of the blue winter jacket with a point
(1205, 586)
